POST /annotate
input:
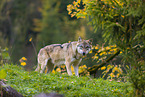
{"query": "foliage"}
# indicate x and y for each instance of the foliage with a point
(32, 83)
(122, 22)
(3, 74)
(111, 70)
(103, 52)
(62, 69)
(117, 18)
(44, 21)
(115, 74)
(4, 56)
(23, 61)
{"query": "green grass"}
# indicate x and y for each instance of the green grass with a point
(32, 83)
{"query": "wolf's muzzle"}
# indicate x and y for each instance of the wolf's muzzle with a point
(84, 53)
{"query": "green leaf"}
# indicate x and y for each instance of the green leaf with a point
(5, 55)
(3, 74)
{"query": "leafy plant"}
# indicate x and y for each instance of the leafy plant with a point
(122, 22)
(115, 74)
(4, 56)
(3, 74)
(33, 83)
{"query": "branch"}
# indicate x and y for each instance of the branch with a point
(95, 68)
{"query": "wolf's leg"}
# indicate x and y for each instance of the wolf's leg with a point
(43, 58)
(68, 67)
(38, 68)
(76, 67)
(50, 66)
(43, 65)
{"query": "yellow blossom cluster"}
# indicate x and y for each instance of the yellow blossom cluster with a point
(102, 51)
(23, 61)
(63, 69)
(116, 71)
(74, 8)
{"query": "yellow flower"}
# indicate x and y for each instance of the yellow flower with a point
(23, 63)
(30, 39)
(103, 68)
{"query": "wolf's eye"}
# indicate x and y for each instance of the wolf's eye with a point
(87, 47)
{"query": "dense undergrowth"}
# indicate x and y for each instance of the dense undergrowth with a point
(33, 83)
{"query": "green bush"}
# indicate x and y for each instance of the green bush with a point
(33, 83)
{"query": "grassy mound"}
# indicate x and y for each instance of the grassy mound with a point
(33, 83)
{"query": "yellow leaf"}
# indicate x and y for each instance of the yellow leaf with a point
(53, 71)
(122, 16)
(46, 70)
(103, 68)
(118, 74)
(84, 66)
(72, 69)
(30, 39)
(96, 47)
(101, 54)
(107, 48)
(121, 52)
(128, 48)
(90, 52)
(95, 57)
(112, 75)
(115, 68)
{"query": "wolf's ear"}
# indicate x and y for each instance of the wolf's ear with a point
(90, 41)
(80, 39)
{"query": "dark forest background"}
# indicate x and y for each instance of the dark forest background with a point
(45, 22)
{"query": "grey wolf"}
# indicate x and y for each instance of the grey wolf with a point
(67, 53)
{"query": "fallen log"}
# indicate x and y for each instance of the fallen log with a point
(7, 91)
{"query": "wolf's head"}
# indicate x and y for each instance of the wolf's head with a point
(84, 46)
